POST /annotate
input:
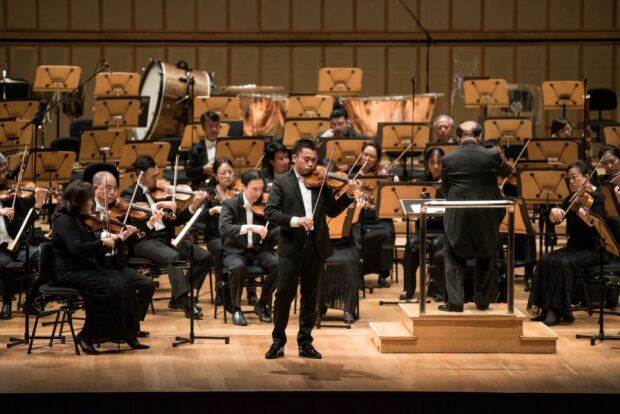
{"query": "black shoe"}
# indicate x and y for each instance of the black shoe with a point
(85, 346)
(134, 344)
(482, 306)
(181, 304)
(143, 334)
(197, 313)
(323, 310)
(239, 319)
(275, 351)
(349, 318)
(308, 351)
(405, 296)
(383, 283)
(262, 311)
(6, 312)
(446, 307)
(481, 302)
(252, 299)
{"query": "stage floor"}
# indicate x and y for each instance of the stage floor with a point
(350, 361)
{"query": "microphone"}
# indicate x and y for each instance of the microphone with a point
(106, 66)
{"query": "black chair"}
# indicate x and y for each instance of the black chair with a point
(77, 126)
(150, 269)
(601, 99)
(91, 169)
(255, 277)
(70, 300)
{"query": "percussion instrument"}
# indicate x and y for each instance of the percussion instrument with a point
(262, 114)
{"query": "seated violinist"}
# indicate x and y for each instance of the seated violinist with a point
(339, 125)
(610, 160)
(105, 192)
(247, 240)
(156, 245)
(199, 165)
(561, 128)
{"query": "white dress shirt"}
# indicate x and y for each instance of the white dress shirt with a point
(210, 150)
(159, 225)
(306, 196)
(5, 237)
(249, 219)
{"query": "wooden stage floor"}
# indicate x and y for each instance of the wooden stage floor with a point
(350, 361)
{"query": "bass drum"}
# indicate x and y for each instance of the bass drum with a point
(165, 85)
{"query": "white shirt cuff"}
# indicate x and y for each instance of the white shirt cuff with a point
(148, 224)
(244, 230)
(295, 222)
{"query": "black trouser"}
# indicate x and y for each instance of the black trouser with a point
(6, 276)
(411, 262)
(238, 263)
(309, 266)
(164, 254)
(144, 286)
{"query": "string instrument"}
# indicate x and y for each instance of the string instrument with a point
(512, 179)
(25, 190)
(334, 181)
(258, 208)
(109, 223)
(139, 210)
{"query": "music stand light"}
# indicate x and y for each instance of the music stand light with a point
(296, 129)
(158, 150)
(117, 84)
(242, 152)
(102, 145)
(508, 131)
(563, 95)
(227, 107)
(12, 136)
(119, 112)
(340, 81)
(19, 110)
(484, 93)
(315, 106)
(555, 151)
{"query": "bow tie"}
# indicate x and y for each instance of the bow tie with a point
(210, 144)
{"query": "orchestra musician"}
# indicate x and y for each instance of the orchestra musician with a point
(561, 128)
(110, 298)
(470, 173)
(278, 162)
(248, 240)
(610, 160)
(554, 277)
(199, 164)
(156, 245)
(303, 244)
(339, 125)
(443, 127)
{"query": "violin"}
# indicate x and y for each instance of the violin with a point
(258, 208)
(24, 190)
(139, 210)
(334, 181)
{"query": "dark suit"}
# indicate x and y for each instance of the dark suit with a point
(301, 253)
(237, 255)
(156, 246)
(470, 173)
(196, 160)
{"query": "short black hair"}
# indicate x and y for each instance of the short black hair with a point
(376, 147)
(272, 148)
(303, 143)
(432, 152)
(144, 162)
(609, 148)
(75, 196)
(217, 163)
(583, 167)
(558, 124)
(339, 113)
(209, 116)
(250, 175)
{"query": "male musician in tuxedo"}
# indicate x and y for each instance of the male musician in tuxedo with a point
(278, 162)
(11, 220)
(105, 191)
(160, 231)
(199, 164)
(303, 244)
(339, 125)
(470, 173)
(248, 241)
(443, 127)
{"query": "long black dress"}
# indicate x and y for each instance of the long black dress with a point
(111, 311)
(554, 278)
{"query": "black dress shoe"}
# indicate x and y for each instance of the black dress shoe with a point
(239, 319)
(143, 334)
(6, 312)
(134, 344)
(262, 311)
(349, 318)
(308, 351)
(446, 307)
(275, 351)
(405, 296)
(85, 346)
(383, 283)
(252, 299)
(197, 313)
(181, 304)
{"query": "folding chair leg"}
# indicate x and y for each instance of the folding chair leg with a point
(34, 332)
(54, 329)
(70, 321)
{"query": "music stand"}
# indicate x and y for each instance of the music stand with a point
(296, 129)
(102, 145)
(485, 92)
(117, 84)
(554, 151)
(340, 81)
(120, 112)
(563, 95)
(193, 134)
(522, 222)
(157, 150)
(611, 134)
(345, 150)
(607, 243)
(49, 167)
(313, 106)
(508, 131)
(13, 135)
(242, 152)
(19, 110)
(227, 107)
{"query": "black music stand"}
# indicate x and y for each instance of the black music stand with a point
(102, 145)
(607, 243)
(545, 187)
(445, 147)
(555, 151)
(243, 152)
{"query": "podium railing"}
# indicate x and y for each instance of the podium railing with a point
(509, 205)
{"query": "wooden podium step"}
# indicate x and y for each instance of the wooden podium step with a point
(471, 331)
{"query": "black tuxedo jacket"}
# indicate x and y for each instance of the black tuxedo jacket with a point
(470, 173)
(232, 218)
(195, 161)
(285, 202)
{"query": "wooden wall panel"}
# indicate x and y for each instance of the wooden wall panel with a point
(276, 67)
(54, 15)
(187, 54)
(144, 53)
(116, 15)
(402, 64)
(499, 63)
(21, 14)
(370, 15)
(398, 18)
(564, 63)
(149, 15)
(617, 14)
(86, 56)
(531, 14)
(440, 78)
(23, 61)
(306, 64)
(180, 15)
(243, 15)
(598, 14)
(372, 62)
(84, 15)
(215, 60)
(306, 15)
(339, 56)
(58, 56)
(616, 86)
(598, 65)
(531, 65)
(120, 58)
(244, 64)
(274, 15)
(466, 15)
(565, 15)
(499, 15)
(338, 16)
(211, 15)
(2, 15)
(435, 14)
(4, 58)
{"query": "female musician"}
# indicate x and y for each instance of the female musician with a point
(553, 282)
(377, 232)
(610, 160)
(436, 287)
(111, 311)
(561, 128)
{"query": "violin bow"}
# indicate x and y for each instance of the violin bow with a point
(174, 180)
(354, 164)
(22, 168)
(501, 187)
(318, 198)
(389, 168)
(581, 189)
(133, 196)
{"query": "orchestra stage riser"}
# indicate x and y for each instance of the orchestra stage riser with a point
(468, 332)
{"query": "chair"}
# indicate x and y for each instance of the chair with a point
(70, 300)
(150, 269)
(78, 126)
(602, 99)
(66, 144)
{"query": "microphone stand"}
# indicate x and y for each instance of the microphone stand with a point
(429, 40)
